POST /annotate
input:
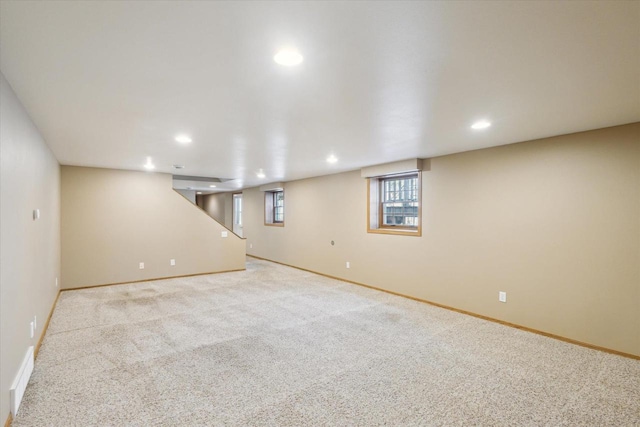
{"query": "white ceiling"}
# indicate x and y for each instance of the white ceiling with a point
(111, 83)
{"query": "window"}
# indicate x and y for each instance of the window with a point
(278, 206)
(274, 208)
(394, 204)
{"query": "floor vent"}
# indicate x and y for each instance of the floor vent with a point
(21, 381)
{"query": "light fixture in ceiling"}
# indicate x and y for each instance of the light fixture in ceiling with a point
(482, 124)
(332, 159)
(183, 139)
(149, 165)
(261, 174)
(212, 186)
(198, 192)
(288, 57)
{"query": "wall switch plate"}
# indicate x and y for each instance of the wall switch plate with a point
(35, 322)
(502, 296)
(32, 330)
(36, 214)
(348, 264)
(250, 245)
(224, 233)
(56, 282)
(142, 266)
(172, 262)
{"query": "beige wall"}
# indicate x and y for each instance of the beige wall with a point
(555, 223)
(112, 220)
(219, 206)
(30, 251)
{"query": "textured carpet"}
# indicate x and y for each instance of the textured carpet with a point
(279, 346)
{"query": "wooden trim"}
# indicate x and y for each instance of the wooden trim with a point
(151, 280)
(400, 232)
(46, 326)
(468, 313)
(274, 224)
(9, 420)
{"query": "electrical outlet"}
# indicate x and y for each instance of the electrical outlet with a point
(348, 264)
(224, 233)
(250, 245)
(172, 262)
(32, 331)
(142, 266)
(502, 296)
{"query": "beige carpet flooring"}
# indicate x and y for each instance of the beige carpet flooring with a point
(276, 346)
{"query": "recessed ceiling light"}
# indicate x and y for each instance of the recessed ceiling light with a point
(482, 124)
(198, 192)
(332, 159)
(212, 186)
(260, 174)
(149, 165)
(288, 57)
(183, 139)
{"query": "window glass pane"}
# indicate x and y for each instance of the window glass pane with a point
(399, 201)
(278, 206)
